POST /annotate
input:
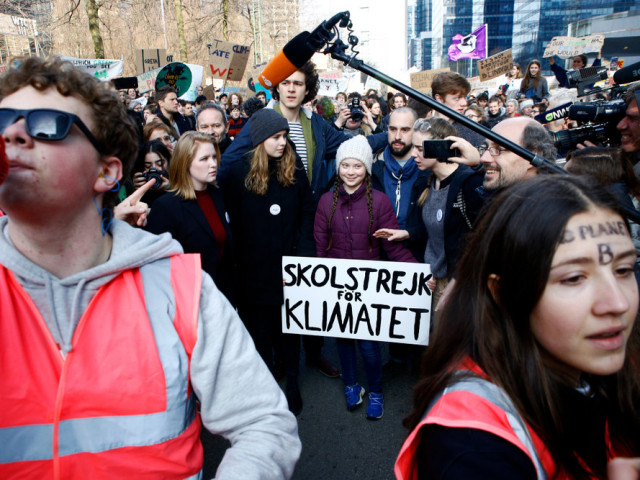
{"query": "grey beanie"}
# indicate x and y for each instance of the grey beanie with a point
(357, 147)
(264, 123)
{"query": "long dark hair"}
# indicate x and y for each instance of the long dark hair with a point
(516, 241)
(152, 146)
(528, 81)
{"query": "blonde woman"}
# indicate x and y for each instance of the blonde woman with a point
(193, 210)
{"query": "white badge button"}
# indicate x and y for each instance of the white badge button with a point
(439, 215)
(274, 209)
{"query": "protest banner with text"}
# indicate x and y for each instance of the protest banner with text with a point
(330, 83)
(421, 81)
(363, 299)
(495, 65)
(228, 60)
(100, 68)
(567, 47)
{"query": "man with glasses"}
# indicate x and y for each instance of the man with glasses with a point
(105, 346)
(504, 168)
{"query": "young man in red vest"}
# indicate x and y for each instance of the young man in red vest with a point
(108, 334)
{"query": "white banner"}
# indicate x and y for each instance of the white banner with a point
(331, 83)
(370, 300)
(100, 68)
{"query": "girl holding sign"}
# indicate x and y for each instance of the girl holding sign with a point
(270, 205)
(345, 221)
(535, 373)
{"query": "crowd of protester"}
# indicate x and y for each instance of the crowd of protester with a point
(532, 369)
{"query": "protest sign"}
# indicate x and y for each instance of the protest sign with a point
(151, 58)
(228, 60)
(99, 68)
(567, 47)
(147, 81)
(371, 300)
(495, 65)
(331, 83)
(421, 81)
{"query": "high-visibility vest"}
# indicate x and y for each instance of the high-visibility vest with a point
(118, 405)
(474, 402)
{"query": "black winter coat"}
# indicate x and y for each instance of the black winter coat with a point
(267, 227)
(186, 222)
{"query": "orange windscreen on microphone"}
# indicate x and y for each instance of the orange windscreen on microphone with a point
(278, 69)
(292, 57)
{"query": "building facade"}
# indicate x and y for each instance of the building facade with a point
(526, 26)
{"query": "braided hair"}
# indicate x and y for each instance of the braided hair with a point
(334, 205)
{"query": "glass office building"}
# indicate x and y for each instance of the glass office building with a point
(524, 25)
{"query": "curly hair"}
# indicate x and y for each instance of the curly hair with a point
(114, 129)
(311, 80)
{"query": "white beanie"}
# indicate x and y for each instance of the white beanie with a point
(357, 148)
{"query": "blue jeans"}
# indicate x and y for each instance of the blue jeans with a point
(370, 352)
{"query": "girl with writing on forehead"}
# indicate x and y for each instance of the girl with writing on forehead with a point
(345, 221)
(534, 374)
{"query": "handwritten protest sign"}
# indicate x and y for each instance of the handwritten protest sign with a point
(495, 65)
(566, 47)
(421, 81)
(228, 60)
(99, 68)
(382, 301)
(331, 83)
(151, 58)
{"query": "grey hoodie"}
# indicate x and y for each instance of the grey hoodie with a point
(239, 398)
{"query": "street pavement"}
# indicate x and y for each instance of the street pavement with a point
(338, 444)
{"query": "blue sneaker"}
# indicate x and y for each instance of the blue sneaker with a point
(354, 394)
(374, 409)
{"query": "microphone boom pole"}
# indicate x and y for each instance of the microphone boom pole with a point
(337, 50)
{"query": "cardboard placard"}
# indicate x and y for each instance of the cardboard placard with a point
(567, 47)
(421, 81)
(227, 60)
(495, 65)
(151, 58)
(363, 299)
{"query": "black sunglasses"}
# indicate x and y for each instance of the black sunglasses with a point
(46, 124)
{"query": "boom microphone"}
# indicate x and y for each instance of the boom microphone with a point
(292, 56)
(627, 74)
(299, 51)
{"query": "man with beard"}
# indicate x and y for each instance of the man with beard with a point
(394, 170)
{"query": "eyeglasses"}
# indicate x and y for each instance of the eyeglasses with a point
(46, 124)
(493, 151)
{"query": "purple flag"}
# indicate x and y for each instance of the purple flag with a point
(473, 45)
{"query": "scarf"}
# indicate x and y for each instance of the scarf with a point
(398, 182)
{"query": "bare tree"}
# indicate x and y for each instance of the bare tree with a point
(180, 24)
(94, 27)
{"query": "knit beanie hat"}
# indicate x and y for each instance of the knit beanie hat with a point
(358, 148)
(264, 123)
(526, 103)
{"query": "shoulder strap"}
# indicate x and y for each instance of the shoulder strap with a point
(496, 395)
(186, 280)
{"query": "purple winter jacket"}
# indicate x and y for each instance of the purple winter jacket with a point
(350, 224)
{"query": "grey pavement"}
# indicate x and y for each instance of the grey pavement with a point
(338, 444)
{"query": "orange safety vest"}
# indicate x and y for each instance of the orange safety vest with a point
(118, 405)
(476, 402)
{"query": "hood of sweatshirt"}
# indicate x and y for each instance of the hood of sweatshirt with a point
(62, 301)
